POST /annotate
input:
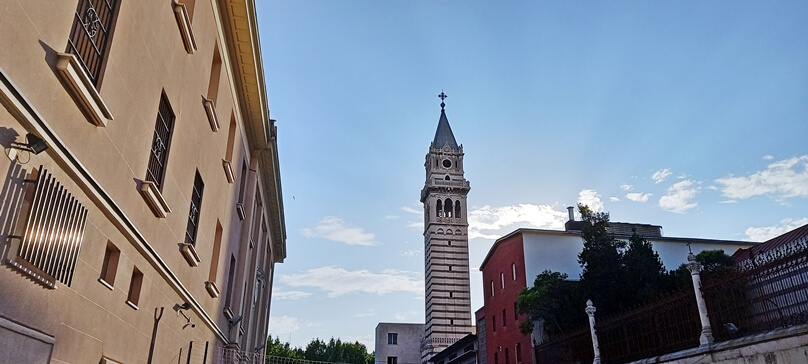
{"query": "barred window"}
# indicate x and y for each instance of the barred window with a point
(91, 34)
(193, 215)
(161, 143)
(50, 229)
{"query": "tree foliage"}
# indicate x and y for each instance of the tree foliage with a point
(553, 300)
(333, 351)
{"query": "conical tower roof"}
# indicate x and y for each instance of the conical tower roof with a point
(444, 135)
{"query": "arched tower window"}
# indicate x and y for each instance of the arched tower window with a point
(447, 208)
(447, 178)
(457, 209)
(439, 209)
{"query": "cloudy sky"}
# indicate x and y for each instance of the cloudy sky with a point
(689, 115)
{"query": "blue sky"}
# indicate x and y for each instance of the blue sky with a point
(690, 115)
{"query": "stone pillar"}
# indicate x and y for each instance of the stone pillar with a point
(590, 310)
(694, 266)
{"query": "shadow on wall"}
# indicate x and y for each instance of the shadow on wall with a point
(11, 199)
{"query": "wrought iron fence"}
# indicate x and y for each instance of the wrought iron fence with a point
(232, 356)
(575, 347)
(768, 291)
(668, 324)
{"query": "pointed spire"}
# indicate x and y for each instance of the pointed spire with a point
(444, 135)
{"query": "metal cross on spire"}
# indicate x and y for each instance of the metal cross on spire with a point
(442, 97)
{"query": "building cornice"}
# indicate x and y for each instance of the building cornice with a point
(240, 29)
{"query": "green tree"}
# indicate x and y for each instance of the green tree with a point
(276, 348)
(645, 273)
(553, 300)
(601, 260)
(714, 265)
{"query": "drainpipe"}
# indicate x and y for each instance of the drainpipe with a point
(154, 332)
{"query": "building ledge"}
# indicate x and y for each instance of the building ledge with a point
(190, 255)
(184, 23)
(105, 284)
(82, 90)
(132, 304)
(213, 289)
(210, 111)
(154, 199)
(228, 171)
(240, 210)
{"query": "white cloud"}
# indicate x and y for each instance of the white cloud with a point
(283, 324)
(367, 313)
(782, 179)
(638, 197)
(487, 222)
(764, 233)
(289, 295)
(391, 217)
(334, 229)
(768, 157)
(660, 175)
(679, 197)
(591, 198)
(626, 187)
(338, 281)
(728, 201)
(614, 199)
(412, 210)
(411, 253)
(409, 316)
(416, 225)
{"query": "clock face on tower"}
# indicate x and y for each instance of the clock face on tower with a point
(447, 163)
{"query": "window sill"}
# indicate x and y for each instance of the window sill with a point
(213, 289)
(190, 255)
(132, 304)
(240, 210)
(210, 111)
(82, 89)
(228, 171)
(154, 199)
(228, 313)
(184, 23)
(32, 272)
(105, 284)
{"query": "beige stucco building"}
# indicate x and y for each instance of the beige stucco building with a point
(148, 229)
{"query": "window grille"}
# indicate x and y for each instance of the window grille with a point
(193, 215)
(52, 231)
(90, 36)
(161, 143)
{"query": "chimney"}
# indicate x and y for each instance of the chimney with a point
(571, 224)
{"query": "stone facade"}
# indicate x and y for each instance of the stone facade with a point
(158, 245)
(398, 343)
(448, 296)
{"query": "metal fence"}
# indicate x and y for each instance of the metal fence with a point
(768, 291)
(283, 360)
(765, 292)
(232, 356)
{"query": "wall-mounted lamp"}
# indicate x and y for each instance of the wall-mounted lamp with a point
(259, 347)
(35, 144)
(235, 320)
(184, 306)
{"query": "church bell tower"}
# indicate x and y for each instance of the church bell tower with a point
(448, 295)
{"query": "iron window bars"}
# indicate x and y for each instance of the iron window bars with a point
(51, 232)
(162, 141)
(90, 36)
(193, 215)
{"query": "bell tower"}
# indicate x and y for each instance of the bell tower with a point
(448, 295)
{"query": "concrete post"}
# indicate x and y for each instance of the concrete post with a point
(694, 266)
(590, 311)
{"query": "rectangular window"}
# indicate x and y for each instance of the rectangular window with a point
(513, 267)
(50, 228)
(518, 353)
(507, 357)
(504, 318)
(91, 35)
(231, 276)
(161, 143)
(515, 311)
(217, 246)
(193, 215)
(496, 358)
(502, 279)
(392, 338)
(492, 288)
(110, 266)
(215, 74)
(392, 360)
(135, 286)
(494, 323)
